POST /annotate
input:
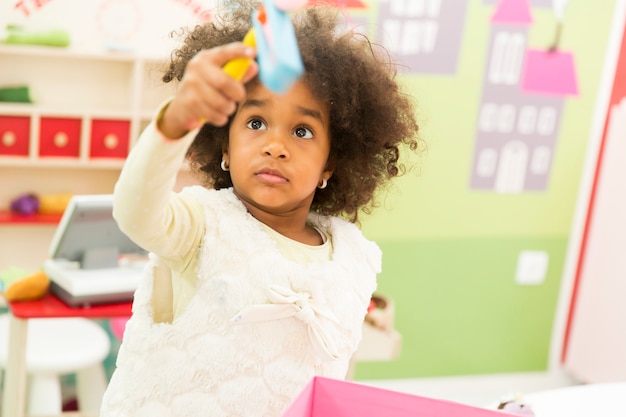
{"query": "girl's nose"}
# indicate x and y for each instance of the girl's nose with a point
(275, 145)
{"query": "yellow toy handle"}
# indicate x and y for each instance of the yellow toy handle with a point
(237, 67)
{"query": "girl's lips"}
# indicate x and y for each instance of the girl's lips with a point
(271, 177)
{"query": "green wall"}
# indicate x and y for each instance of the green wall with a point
(460, 311)
(450, 253)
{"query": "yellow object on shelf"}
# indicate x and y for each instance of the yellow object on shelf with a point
(30, 287)
(53, 203)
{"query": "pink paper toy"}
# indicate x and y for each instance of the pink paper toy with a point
(550, 73)
(324, 397)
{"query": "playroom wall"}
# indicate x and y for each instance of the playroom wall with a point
(473, 263)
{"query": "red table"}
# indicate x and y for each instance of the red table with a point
(49, 306)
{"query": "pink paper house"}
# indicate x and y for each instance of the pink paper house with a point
(324, 397)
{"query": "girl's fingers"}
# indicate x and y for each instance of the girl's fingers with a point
(252, 71)
(232, 51)
(207, 94)
(220, 56)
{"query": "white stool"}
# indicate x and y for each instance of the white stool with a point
(57, 346)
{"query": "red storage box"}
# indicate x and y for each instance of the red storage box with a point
(59, 137)
(109, 138)
(14, 135)
(324, 397)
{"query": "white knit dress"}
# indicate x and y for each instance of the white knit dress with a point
(258, 328)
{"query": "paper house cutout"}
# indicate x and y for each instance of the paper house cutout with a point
(324, 397)
(550, 73)
(515, 12)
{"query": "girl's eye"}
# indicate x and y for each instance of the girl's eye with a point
(255, 124)
(303, 132)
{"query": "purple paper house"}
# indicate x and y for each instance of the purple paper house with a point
(424, 36)
(521, 106)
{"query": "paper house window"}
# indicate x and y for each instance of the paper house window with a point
(547, 121)
(486, 165)
(424, 36)
(527, 120)
(506, 60)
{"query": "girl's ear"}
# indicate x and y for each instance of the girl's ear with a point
(225, 163)
(329, 169)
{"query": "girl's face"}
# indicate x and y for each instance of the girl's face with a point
(278, 150)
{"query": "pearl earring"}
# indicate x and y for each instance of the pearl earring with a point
(323, 184)
(224, 166)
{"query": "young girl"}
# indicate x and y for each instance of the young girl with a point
(260, 280)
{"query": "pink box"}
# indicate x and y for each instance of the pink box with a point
(324, 397)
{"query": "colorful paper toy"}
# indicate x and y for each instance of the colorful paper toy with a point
(280, 63)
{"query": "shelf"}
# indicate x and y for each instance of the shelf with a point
(8, 218)
(52, 110)
(67, 52)
(73, 52)
(18, 109)
(73, 163)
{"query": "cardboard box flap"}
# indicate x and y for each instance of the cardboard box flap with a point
(324, 397)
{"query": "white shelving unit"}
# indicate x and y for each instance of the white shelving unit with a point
(106, 97)
(89, 108)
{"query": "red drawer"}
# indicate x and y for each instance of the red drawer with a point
(59, 137)
(14, 135)
(109, 138)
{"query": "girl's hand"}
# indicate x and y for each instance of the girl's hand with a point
(207, 94)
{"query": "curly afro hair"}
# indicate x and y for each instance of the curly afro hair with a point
(370, 118)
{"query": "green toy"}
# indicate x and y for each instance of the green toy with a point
(15, 94)
(18, 35)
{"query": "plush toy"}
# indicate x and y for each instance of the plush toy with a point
(54, 203)
(380, 313)
(45, 204)
(25, 204)
(17, 284)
